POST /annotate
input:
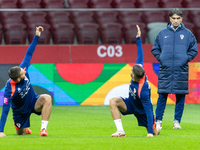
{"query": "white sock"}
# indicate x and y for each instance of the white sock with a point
(118, 124)
(44, 124)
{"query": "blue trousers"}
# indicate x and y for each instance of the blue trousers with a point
(161, 104)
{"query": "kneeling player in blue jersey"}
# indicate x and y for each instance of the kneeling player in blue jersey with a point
(139, 101)
(20, 95)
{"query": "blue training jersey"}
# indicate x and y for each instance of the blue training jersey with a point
(19, 95)
(140, 92)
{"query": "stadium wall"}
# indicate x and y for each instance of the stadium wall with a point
(89, 74)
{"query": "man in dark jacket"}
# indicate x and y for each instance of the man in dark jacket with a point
(173, 47)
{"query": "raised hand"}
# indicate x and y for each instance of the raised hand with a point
(139, 32)
(39, 30)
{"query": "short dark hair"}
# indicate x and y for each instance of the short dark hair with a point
(176, 11)
(14, 72)
(138, 71)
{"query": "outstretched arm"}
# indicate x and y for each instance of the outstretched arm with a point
(4, 115)
(26, 61)
(139, 47)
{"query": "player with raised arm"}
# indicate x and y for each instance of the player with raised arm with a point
(20, 95)
(139, 100)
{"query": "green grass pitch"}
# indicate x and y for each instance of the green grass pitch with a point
(90, 128)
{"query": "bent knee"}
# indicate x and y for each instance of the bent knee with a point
(46, 98)
(114, 101)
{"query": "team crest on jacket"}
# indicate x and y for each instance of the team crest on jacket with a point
(182, 36)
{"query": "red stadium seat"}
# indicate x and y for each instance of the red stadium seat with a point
(35, 19)
(29, 14)
(11, 14)
(106, 17)
(50, 3)
(130, 32)
(189, 26)
(147, 3)
(63, 33)
(83, 19)
(56, 14)
(111, 15)
(130, 17)
(29, 3)
(58, 20)
(15, 34)
(154, 16)
(15, 37)
(170, 3)
(191, 3)
(100, 3)
(8, 4)
(111, 33)
(78, 3)
(88, 33)
(1, 34)
(80, 14)
(45, 36)
(123, 3)
(10, 20)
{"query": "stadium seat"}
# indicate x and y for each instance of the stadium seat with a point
(186, 15)
(130, 32)
(111, 33)
(154, 29)
(83, 19)
(11, 14)
(197, 35)
(194, 16)
(49, 3)
(10, 20)
(58, 20)
(1, 33)
(147, 3)
(192, 4)
(15, 33)
(56, 17)
(63, 33)
(170, 3)
(8, 4)
(88, 33)
(35, 19)
(189, 26)
(45, 36)
(77, 3)
(29, 14)
(100, 3)
(154, 16)
(29, 3)
(106, 17)
(126, 17)
(123, 3)
(55, 14)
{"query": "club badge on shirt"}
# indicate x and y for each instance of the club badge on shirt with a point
(5, 100)
(182, 36)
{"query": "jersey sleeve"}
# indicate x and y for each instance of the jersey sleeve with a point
(4, 115)
(139, 59)
(147, 105)
(6, 107)
(26, 61)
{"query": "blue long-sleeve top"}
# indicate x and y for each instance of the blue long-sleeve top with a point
(10, 92)
(140, 93)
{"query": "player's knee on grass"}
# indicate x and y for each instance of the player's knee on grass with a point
(21, 131)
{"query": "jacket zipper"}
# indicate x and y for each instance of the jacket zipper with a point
(173, 62)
